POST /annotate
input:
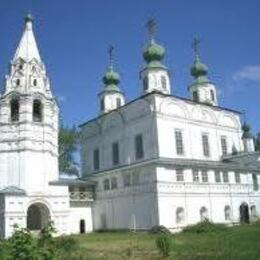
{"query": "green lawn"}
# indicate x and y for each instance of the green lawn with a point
(240, 242)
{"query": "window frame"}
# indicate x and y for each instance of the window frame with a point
(115, 153)
(179, 144)
(139, 147)
(224, 146)
(217, 176)
(96, 159)
(225, 176)
(179, 175)
(195, 175)
(204, 176)
(205, 144)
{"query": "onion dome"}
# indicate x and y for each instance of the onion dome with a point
(111, 77)
(199, 71)
(28, 18)
(246, 131)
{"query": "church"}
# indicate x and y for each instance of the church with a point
(157, 160)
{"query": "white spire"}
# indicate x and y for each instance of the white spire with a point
(27, 48)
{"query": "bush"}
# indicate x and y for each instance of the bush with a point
(160, 229)
(163, 243)
(205, 226)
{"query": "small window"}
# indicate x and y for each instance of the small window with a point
(227, 212)
(14, 106)
(179, 142)
(179, 175)
(20, 67)
(217, 176)
(35, 82)
(237, 177)
(96, 159)
(195, 175)
(127, 180)
(205, 145)
(203, 213)
(139, 150)
(145, 82)
(113, 183)
(224, 145)
(204, 176)
(225, 177)
(180, 217)
(255, 182)
(106, 184)
(82, 226)
(102, 104)
(118, 102)
(18, 82)
(195, 96)
(212, 95)
(115, 153)
(163, 82)
(37, 111)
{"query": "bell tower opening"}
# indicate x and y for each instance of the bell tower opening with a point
(14, 107)
(37, 111)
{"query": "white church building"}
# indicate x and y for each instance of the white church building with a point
(156, 160)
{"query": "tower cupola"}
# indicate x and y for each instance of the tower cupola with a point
(202, 90)
(154, 75)
(111, 97)
(248, 139)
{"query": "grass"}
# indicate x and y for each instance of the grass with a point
(239, 242)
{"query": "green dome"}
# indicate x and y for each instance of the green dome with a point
(111, 77)
(28, 18)
(199, 69)
(153, 52)
(246, 131)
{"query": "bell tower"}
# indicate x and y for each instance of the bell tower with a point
(155, 76)
(28, 120)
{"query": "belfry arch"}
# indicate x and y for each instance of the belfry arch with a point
(38, 216)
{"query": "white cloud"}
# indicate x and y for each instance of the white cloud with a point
(248, 73)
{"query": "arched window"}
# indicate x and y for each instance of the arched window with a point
(212, 95)
(227, 212)
(163, 82)
(203, 213)
(14, 107)
(35, 82)
(118, 102)
(180, 215)
(37, 111)
(145, 82)
(195, 96)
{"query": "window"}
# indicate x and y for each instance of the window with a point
(180, 217)
(113, 183)
(20, 67)
(136, 180)
(255, 182)
(212, 95)
(37, 111)
(96, 159)
(237, 177)
(217, 176)
(179, 175)
(127, 180)
(195, 96)
(115, 153)
(102, 104)
(225, 177)
(35, 82)
(18, 82)
(203, 213)
(204, 176)
(227, 212)
(224, 145)
(195, 174)
(145, 82)
(205, 145)
(14, 106)
(179, 142)
(163, 81)
(106, 184)
(253, 212)
(139, 150)
(118, 102)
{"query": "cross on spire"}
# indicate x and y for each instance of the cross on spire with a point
(111, 53)
(151, 26)
(195, 46)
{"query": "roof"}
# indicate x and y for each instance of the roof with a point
(72, 182)
(12, 190)
(166, 95)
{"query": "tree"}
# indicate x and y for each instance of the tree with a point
(257, 142)
(68, 146)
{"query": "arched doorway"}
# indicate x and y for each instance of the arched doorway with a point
(244, 213)
(82, 226)
(38, 216)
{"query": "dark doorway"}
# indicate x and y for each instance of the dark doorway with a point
(82, 226)
(38, 216)
(244, 213)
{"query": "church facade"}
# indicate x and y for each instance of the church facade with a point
(156, 160)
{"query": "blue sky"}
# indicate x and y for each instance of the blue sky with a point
(73, 37)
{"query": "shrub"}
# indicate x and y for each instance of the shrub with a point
(160, 229)
(163, 243)
(205, 226)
